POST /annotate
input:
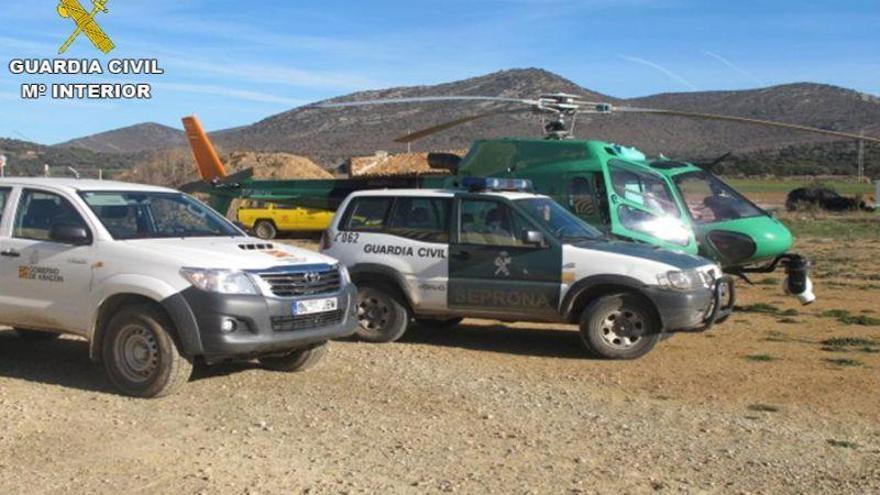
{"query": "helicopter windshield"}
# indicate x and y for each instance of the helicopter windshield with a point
(643, 188)
(710, 200)
(563, 224)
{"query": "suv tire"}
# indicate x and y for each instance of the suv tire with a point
(35, 335)
(298, 360)
(140, 355)
(438, 323)
(605, 321)
(382, 315)
(266, 230)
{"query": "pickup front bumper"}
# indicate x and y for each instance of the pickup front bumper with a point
(261, 325)
(695, 311)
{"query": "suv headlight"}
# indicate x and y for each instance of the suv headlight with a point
(220, 281)
(682, 280)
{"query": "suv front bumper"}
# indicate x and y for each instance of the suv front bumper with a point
(694, 311)
(263, 326)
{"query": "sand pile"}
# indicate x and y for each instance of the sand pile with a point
(173, 168)
(401, 164)
(276, 165)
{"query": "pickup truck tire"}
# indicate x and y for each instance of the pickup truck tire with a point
(438, 323)
(35, 335)
(298, 360)
(382, 315)
(264, 229)
(139, 353)
(608, 325)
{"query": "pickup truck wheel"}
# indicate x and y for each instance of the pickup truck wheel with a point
(265, 229)
(619, 326)
(140, 356)
(438, 323)
(35, 335)
(298, 360)
(382, 317)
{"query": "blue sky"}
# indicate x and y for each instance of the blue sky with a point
(234, 63)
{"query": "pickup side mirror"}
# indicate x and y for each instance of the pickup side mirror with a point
(533, 238)
(66, 233)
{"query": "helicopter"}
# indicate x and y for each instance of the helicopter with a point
(667, 203)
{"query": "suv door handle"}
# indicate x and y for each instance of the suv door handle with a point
(10, 253)
(461, 255)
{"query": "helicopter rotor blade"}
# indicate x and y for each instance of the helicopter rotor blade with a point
(425, 99)
(415, 136)
(744, 120)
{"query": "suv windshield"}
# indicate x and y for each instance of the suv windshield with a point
(563, 224)
(710, 200)
(155, 215)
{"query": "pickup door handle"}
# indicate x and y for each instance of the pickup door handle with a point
(10, 253)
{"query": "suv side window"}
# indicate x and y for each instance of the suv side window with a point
(367, 214)
(4, 195)
(421, 219)
(490, 223)
(39, 211)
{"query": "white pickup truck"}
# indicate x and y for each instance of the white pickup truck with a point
(153, 279)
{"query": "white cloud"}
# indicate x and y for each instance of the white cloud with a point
(733, 66)
(661, 69)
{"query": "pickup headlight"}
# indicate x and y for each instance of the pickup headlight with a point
(685, 281)
(344, 275)
(220, 281)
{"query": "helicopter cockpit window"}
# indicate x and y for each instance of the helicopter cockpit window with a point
(710, 200)
(643, 188)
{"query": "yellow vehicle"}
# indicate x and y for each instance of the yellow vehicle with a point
(266, 220)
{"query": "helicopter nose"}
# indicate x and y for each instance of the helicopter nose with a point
(750, 240)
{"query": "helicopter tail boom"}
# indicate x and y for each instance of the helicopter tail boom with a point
(208, 162)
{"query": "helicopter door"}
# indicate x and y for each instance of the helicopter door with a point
(643, 208)
(587, 199)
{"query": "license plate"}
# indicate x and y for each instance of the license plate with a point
(313, 306)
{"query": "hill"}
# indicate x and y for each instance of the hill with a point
(27, 158)
(137, 138)
(333, 135)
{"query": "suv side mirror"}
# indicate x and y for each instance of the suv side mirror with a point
(66, 233)
(533, 238)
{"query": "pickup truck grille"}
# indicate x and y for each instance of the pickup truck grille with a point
(303, 283)
(306, 322)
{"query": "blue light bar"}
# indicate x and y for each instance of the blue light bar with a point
(495, 184)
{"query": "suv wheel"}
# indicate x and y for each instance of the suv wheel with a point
(264, 229)
(140, 356)
(35, 335)
(382, 316)
(438, 323)
(298, 360)
(619, 326)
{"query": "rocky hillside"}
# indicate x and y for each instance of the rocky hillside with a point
(133, 139)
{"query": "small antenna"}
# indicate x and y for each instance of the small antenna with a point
(74, 172)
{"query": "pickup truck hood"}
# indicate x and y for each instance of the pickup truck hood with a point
(240, 253)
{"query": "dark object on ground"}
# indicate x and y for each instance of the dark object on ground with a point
(823, 198)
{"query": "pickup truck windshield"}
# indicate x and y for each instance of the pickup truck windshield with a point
(156, 215)
(563, 224)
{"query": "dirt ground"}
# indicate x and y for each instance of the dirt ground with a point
(765, 403)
